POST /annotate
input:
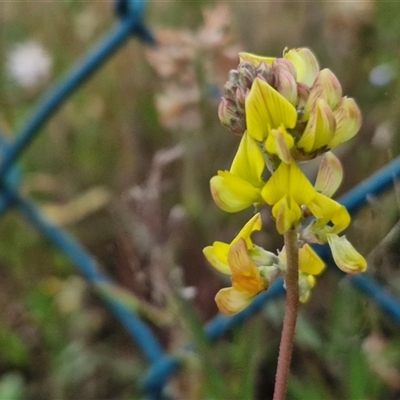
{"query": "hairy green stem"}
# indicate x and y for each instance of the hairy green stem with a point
(291, 309)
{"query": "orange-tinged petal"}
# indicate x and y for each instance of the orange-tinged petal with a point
(346, 257)
(288, 179)
(330, 175)
(279, 142)
(231, 301)
(320, 128)
(231, 193)
(254, 59)
(249, 162)
(348, 121)
(217, 256)
(305, 63)
(245, 274)
(267, 109)
(309, 261)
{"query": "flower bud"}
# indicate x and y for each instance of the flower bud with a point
(229, 90)
(286, 86)
(327, 87)
(247, 74)
(233, 76)
(302, 95)
(241, 98)
(305, 63)
(227, 112)
(264, 71)
(330, 175)
(320, 128)
(348, 121)
(285, 65)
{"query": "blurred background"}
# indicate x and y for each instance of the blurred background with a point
(125, 166)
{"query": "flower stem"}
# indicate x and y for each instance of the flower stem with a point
(291, 309)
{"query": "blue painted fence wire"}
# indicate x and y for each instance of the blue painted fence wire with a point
(131, 23)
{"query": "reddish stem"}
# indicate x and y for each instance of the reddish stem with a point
(291, 309)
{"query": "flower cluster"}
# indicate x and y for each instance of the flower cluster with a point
(287, 111)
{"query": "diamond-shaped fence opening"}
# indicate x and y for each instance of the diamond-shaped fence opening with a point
(163, 366)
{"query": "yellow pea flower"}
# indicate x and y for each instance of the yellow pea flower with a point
(310, 266)
(267, 109)
(247, 281)
(240, 187)
(286, 191)
(332, 218)
(217, 254)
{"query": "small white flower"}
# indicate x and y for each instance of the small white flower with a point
(29, 64)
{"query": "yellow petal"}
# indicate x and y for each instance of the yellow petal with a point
(245, 274)
(330, 175)
(231, 301)
(326, 87)
(320, 128)
(348, 121)
(305, 63)
(288, 179)
(217, 256)
(346, 257)
(249, 162)
(306, 283)
(254, 59)
(328, 210)
(267, 109)
(231, 193)
(287, 214)
(254, 224)
(309, 261)
(279, 142)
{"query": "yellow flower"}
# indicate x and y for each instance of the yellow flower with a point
(310, 266)
(346, 257)
(247, 281)
(266, 109)
(309, 261)
(240, 187)
(217, 254)
(332, 218)
(286, 191)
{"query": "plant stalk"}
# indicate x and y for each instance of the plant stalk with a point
(291, 310)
